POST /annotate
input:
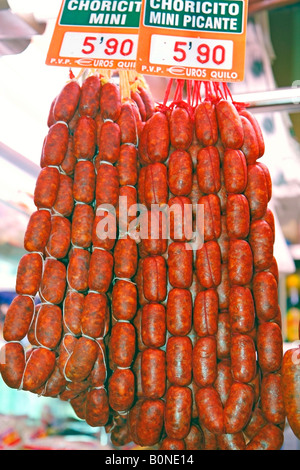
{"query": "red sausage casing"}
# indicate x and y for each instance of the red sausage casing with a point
(29, 274)
(206, 308)
(179, 360)
(178, 411)
(180, 265)
(181, 128)
(230, 124)
(205, 361)
(18, 318)
(235, 171)
(208, 170)
(37, 231)
(179, 311)
(153, 325)
(180, 173)
(208, 264)
(206, 126)
(153, 373)
(290, 388)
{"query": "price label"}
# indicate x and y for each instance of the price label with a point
(193, 39)
(206, 53)
(96, 34)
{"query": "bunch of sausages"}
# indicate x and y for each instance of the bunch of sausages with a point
(166, 342)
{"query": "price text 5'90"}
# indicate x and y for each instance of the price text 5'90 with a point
(118, 46)
(191, 52)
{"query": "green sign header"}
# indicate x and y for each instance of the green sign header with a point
(104, 13)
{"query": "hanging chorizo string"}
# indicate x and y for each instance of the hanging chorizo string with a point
(166, 343)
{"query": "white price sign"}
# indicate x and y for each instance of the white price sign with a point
(191, 52)
(99, 45)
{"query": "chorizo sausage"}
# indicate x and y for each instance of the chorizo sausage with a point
(241, 309)
(179, 311)
(259, 135)
(90, 96)
(180, 173)
(206, 308)
(272, 403)
(84, 182)
(127, 165)
(240, 262)
(46, 188)
(12, 364)
(237, 410)
(107, 185)
(82, 360)
(124, 300)
(178, 411)
(97, 407)
(208, 264)
(78, 269)
(127, 122)
(122, 344)
(150, 422)
(67, 101)
(153, 325)
(154, 273)
(206, 126)
(181, 128)
(29, 274)
(101, 271)
(243, 358)
(261, 240)
(48, 326)
(265, 294)
(205, 361)
(18, 318)
(180, 265)
(84, 139)
(256, 191)
(212, 216)
(230, 124)
(82, 225)
(290, 388)
(60, 237)
(269, 347)
(53, 284)
(55, 145)
(180, 212)
(224, 380)
(155, 184)
(153, 373)
(37, 231)
(237, 216)
(109, 142)
(126, 258)
(269, 437)
(64, 203)
(235, 171)
(121, 389)
(110, 101)
(210, 410)
(93, 318)
(153, 232)
(39, 367)
(72, 312)
(179, 360)
(158, 137)
(250, 146)
(208, 170)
